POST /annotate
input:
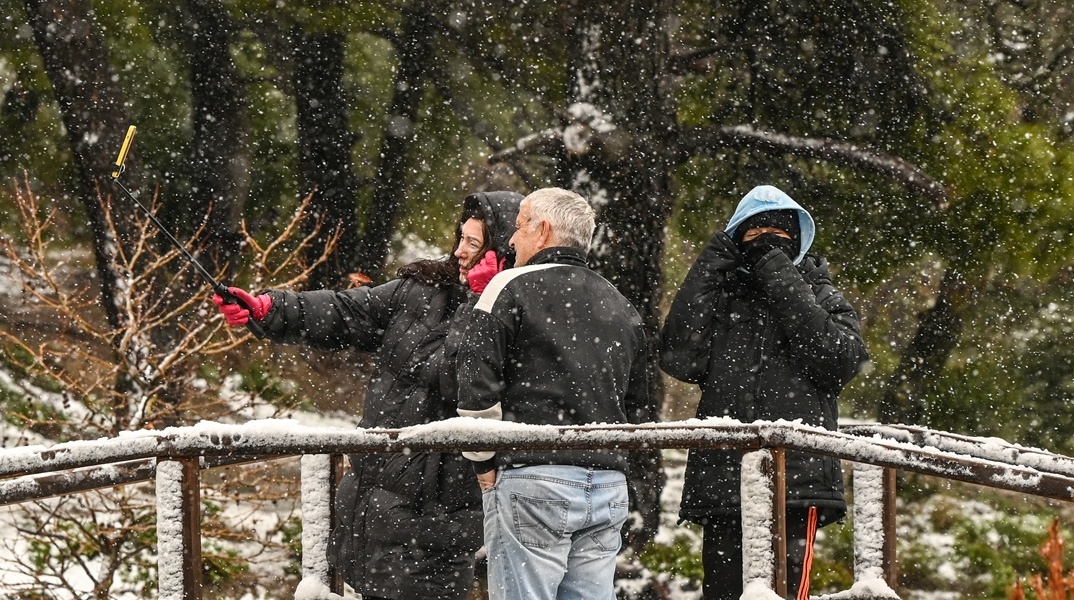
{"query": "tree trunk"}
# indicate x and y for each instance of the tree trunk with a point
(220, 161)
(626, 177)
(389, 187)
(325, 141)
(939, 329)
(95, 117)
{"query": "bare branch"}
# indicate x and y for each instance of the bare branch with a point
(86, 378)
(690, 61)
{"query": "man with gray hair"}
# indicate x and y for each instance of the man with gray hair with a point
(551, 342)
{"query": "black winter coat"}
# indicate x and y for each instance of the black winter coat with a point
(552, 343)
(778, 343)
(406, 525)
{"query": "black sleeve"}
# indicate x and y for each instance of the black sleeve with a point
(816, 319)
(480, 363)
(686, 340)
(449, 376)
(331, 320)
(638, 404)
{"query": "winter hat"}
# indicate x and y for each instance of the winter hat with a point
(786, 219)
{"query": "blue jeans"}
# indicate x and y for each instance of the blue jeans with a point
(552, 532)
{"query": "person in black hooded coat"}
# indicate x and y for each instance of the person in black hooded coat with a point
(407, 525)
(759, 326)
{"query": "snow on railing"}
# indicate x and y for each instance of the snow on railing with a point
(877, 451)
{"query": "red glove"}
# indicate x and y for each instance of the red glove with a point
(235, 314)
(483, 272)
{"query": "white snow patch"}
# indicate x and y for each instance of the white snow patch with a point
(311, 588)
(170, 530)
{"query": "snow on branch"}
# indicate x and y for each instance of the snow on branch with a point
(706, 140)
(542, 143)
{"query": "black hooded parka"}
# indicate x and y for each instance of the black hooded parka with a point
(406, 525)
(779, 342)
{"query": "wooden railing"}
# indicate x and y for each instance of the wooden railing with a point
(175, 457)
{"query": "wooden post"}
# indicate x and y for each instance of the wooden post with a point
(764, 520)
(179, 529)
(874, 525)
(778, 477)
(335, 576)
(891, 564)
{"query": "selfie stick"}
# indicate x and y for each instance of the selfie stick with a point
(219, 288)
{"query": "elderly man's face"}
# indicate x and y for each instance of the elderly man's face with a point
(526, 239)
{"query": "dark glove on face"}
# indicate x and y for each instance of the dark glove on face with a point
(757, 248)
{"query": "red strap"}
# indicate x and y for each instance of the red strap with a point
(807, 563)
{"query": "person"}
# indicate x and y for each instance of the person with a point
(407, 525)
(759, 326)
(550, 342)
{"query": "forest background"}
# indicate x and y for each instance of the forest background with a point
(298, 144)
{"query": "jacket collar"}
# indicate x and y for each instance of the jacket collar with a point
(559, 255)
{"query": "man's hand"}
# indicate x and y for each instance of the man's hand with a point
(483, 272)
(235, 314)
(486, 480)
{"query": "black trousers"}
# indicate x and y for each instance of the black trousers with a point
(721, 554)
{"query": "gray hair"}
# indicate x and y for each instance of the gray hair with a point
(571, 217)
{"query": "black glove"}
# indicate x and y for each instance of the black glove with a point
(758, 247)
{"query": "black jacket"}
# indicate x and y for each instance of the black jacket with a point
(552, 343)
(406, 526)
(778, 343)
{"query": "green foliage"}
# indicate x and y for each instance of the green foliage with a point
(220, 565)
(833, 562)
(20, 410)
(959, 540)
(80, 534)
(291, 538)
(680, 558)
(832, 566)
(269, 387)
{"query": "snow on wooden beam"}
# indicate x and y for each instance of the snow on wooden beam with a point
(285, 437)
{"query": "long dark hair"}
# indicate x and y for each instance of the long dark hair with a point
(445, 271)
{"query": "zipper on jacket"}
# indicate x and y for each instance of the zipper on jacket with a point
(766, 324)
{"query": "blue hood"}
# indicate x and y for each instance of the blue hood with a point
(764, 198)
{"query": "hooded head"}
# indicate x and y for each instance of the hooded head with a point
(498, 210)
(767, 205)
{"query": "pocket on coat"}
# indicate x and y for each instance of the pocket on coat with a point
(539, 522)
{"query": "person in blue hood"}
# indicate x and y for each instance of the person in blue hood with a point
(758, 325)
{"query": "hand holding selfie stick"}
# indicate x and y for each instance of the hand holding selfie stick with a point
(219, 288)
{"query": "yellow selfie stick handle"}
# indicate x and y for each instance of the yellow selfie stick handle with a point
(127, 141)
